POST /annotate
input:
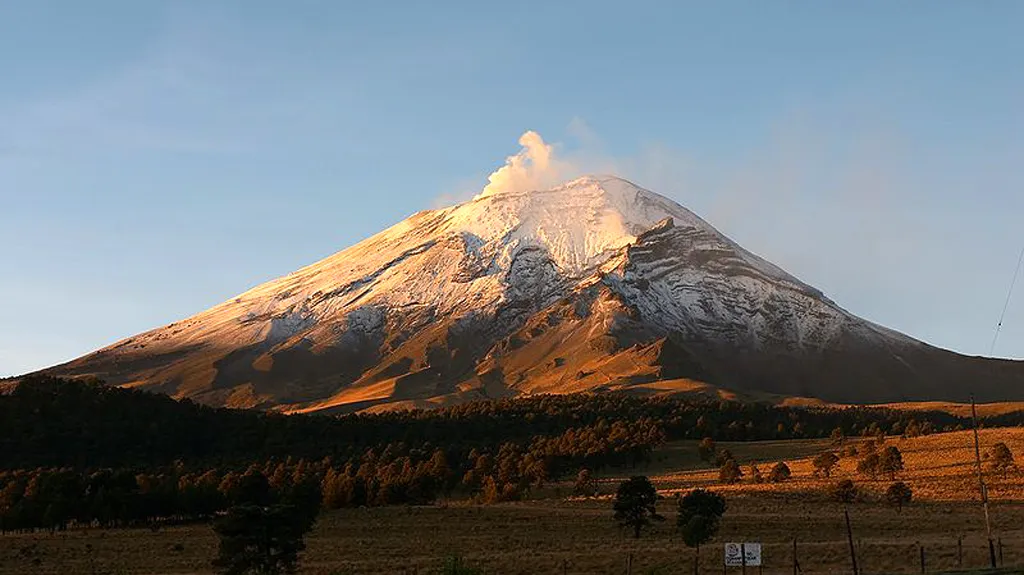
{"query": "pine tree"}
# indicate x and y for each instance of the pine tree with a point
(890, 461)
(898, 494)
(780, 472)
(259, 540)
(699, 514)
(635, 502)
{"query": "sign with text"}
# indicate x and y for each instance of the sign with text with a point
(734, 553)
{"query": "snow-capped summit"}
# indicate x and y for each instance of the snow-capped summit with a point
(591, 284)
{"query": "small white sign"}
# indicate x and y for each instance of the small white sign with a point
(734, 553)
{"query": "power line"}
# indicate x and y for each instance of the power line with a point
(1006, 305)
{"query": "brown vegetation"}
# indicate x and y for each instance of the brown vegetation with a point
(555, 530)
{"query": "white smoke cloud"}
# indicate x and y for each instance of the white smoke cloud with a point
(535, 167)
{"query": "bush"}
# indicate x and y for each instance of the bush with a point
(844, 491)
(890, 461)
(755, 475)
(1001, 458)
(869, 465)
(453, 565)
(898, 494)
(780, 472)
(824, 464)
(586, 484)
(730, 472)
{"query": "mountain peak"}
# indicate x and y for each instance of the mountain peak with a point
(590, 284)
(577, 223)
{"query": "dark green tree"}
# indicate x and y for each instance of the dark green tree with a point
(898, 494)
(260, 540)
(699, 514)
(635, 502)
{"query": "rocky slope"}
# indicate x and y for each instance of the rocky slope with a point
(595, 284)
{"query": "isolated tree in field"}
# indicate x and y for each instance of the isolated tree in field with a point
(868, 447)
(586, 483)
(869, 465)
(898, 494)
(780, 472)
(1001, 458)
(699, 513)
(730, 472)
(837, 436)
(259, 540)
(635, 503)
(824, 464)
(844, 491)
(706, 449)
(890, 461)
(755, 475)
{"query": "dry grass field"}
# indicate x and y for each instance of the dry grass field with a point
(554, 534)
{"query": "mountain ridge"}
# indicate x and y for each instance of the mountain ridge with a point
(593, 284)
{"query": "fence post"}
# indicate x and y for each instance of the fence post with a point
(1000, 551)
(796, 563)
(629, 564)
(849, 537)
(921, 549)
(960, 550)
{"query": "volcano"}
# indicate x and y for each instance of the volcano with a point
(595, 284)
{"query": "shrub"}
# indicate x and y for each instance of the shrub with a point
(780, 472)
(1001, 458)
(824, 464)
(898, 494)
(730, 472)
(844, 491)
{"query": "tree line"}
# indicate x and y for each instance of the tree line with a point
(52, 422)
(84, 453)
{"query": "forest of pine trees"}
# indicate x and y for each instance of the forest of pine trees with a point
(86, 454)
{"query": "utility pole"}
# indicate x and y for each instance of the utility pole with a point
(981, 484)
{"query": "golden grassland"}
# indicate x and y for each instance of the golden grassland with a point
(551, 533)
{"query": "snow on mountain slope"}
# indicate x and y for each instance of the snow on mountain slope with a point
(592, 284)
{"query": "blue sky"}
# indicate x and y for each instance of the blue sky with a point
(157, 158)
